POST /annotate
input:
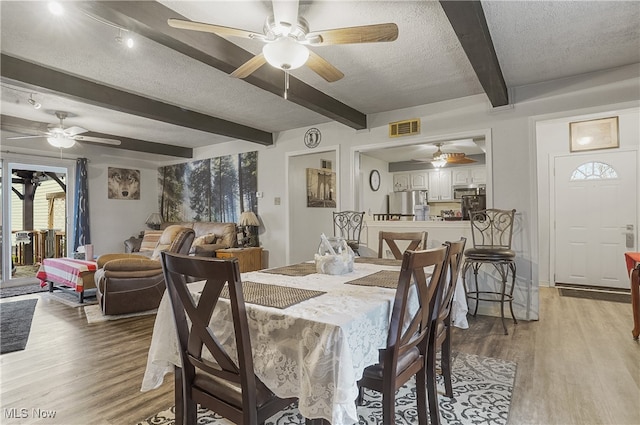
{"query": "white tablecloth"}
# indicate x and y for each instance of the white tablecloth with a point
(316, 350)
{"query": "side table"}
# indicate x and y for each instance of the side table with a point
(249, 259)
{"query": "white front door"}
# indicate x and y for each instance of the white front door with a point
(595, 217)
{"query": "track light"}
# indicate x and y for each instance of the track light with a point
(32, 102)
(128, 41)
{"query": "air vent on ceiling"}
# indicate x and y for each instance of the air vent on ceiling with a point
(404, 128)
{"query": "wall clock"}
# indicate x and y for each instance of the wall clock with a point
(374, 180)
(312, 138)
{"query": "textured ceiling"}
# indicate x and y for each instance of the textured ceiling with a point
(535, 41)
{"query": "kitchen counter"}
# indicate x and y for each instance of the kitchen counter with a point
(438, 232)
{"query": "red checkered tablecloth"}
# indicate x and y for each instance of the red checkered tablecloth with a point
(65, 271)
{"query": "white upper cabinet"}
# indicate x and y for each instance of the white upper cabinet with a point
(440, 185)
(401, 182)
(419, 181)
(469, 175)
(410, 181)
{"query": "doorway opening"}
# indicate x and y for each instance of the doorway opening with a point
(36, 207)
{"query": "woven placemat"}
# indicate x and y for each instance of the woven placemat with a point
(383, 279)
(301, 269)
(272, 295)
(379, 261)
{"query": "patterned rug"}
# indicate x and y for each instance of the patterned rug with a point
(482, 389)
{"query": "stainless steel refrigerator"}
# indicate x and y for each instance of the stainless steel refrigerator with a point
(406, 201)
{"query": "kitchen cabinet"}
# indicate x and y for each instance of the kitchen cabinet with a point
(410, 181)
(419, 181)
(440, 185)
(401, 182)
(469, 175)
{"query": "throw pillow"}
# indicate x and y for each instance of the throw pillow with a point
(202, 240)
(150, 240)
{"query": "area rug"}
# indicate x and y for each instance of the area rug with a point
(482, 389)
(94, 314)
(617, 297)
(15, 324)
(70, 299)
(14, 291)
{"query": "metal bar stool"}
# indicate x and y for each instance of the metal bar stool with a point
(492, 231)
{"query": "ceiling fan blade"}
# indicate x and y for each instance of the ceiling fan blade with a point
(285, 11)
(323, 68)
(215, 29)
(249, 66)
(72, 131)
(365, 34)
(24, 137)
(97, 140)
(459, 159)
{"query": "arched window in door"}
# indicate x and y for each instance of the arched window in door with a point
(594, 171)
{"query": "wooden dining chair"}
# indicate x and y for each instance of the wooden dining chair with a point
(406, 350)
(223, 385)
(417, 241)
(441, 328)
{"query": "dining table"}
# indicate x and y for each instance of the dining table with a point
(315, 348)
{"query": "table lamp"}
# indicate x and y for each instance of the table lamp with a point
(154, 221)
(248, 220)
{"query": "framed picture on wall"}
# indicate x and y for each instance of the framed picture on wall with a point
(321, 188)
(123, 183)
(594, 134)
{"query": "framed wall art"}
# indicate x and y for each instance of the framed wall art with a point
(321, 184)
(594, 134)
(123, 183)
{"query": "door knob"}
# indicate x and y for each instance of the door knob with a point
(630, 236)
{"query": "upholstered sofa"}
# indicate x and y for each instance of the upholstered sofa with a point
(128, 283)
(209, 236)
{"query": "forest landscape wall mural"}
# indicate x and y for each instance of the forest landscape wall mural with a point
(214, 189)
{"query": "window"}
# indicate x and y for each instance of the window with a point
(594, 171)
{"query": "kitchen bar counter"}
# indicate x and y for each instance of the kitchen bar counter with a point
(438, 232)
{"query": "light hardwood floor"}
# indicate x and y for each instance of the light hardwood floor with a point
(577, 365)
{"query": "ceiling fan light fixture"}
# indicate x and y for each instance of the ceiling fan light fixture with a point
(60, 141)
(439, 162)
(285, 53)
(55, 8)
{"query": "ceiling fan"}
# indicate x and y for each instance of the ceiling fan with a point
(440, 158)
(60, 136)
(286, 37)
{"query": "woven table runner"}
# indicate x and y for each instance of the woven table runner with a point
(378, 261)
(273, 295)
(383, 279)
(301, 269)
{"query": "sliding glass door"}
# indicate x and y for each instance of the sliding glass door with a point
(37, 208)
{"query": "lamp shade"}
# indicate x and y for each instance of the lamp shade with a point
(248, 218)
(154, 219)
(60, 141)
(285, 53)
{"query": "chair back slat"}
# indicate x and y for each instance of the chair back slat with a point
(407, 328)
(417, 241)
(450, 278)
(179, 271)
(492, 228)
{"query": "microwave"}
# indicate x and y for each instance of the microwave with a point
(464, 190)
